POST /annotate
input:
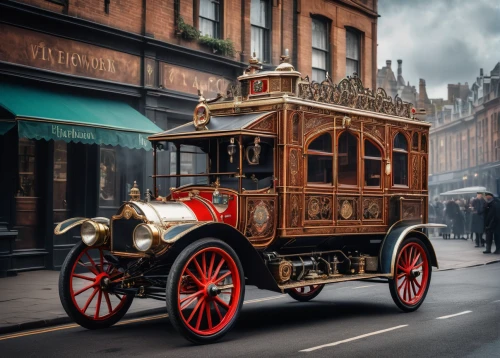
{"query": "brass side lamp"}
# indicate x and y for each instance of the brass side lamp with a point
(231, 149)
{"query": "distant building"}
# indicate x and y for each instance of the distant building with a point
(396, 85)
(465, 138)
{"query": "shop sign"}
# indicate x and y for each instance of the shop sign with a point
(34, 49)
(187, 80)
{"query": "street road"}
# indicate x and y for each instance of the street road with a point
(459, 318)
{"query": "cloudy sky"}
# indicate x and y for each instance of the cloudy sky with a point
(442, 41)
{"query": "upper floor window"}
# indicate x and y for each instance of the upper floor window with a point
(348, 159)
(373, 164)
(210, 18)
(353, 45)
(319, 50)
(259, 20)
(400, 160)
(320, 160)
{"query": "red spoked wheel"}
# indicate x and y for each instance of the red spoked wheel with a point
(205, 290)
(85, 286)
(306, 293)
(412, 275)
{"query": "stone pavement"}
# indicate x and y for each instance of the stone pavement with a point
(31, 299)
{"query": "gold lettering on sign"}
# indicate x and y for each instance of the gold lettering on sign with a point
(186, 80)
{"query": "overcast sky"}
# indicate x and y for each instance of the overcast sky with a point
(441, 41)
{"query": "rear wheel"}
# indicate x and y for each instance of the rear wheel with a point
(85, 285)
(205, 290)
(412, 275)
(306, 293)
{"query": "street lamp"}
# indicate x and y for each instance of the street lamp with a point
(464, 178)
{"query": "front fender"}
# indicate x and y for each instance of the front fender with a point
(393, 239)
(254, 267)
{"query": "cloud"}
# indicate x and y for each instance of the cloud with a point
(442, 41)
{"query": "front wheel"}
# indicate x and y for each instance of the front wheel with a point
(205, 290)
(412, 275)
(84, 288)
(306, 293)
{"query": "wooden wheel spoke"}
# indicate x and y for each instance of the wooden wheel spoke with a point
(418, 266)
(90, 299)
(194, 278)
(92, 261)
(212, 261)
(228, 273)
(90, 268)
(402, 283)
(418, 284)
(98, 306)
(413, 288)
(408, 289)
(108, 302)
(204, 265)
(195, 309)
(219, 266)
(417, 257)
(84, 289)
(218, 311)
(120, 298)
(200, 271)
(401, 275)
(401, 268)
(222, 303)
(200, 314)
(101, 256)
(83, 277)
(196, 294)
(209, 315)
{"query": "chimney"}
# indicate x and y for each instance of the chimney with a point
(400, 69)
(481, 72)
(388, 63)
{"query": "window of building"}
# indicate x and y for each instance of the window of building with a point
(320, 160)
(348, 159)
(400, 160)
(108, 179)
(210, 18)
(353, 39)
(319, 50)
(373, 164)
(27, 172)
(60, 178)
(260, 22)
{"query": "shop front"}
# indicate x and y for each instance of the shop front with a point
(63, 155)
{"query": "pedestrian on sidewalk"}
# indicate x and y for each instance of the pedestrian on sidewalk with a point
(477, 222)
(448, 221)
(492, 223)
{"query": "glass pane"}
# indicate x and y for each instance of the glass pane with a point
(208, 9)
(193, 161)
(258, 43)
(60, 181)
(400, 142)
(352, 45)
(423, 145)
(319, 169)
(207, 27)
(352, 67)
(319, 36)
(373, 170)
(371, 150)
(400, 168)
(414, 142)
(26, 167)
(258, 13)
(348, 159)
(319, 59)
(318, 75)
(295, 128)
(108, 188)
(323, 143)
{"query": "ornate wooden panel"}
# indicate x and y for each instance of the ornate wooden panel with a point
(295, 167)
(274, 84)
(260, 219)
(295, 125)
(411, 209)
(424, 173)
(313, 122)
(373, 208)
(268, 124)
(318, 207)
(377, 132)
(347, 208)
(415, 173)
(295, 211)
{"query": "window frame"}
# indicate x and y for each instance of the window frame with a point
(216, 23)
(358, 34)
(381, 159)
(326, 51)
(358, 156)
(266, 57)
(401, 151)
(315, 152)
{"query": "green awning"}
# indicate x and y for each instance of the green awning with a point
(61, 116)
(6, 126)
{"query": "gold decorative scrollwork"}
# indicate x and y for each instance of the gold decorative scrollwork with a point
(260, 218)
(294, 167)
(294, 211)
(274, 84)
(415, 174)
(372, 208)
(319, 208)
(347, 208)
(350, 92)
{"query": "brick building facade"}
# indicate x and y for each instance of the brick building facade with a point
(465, 138)
(145, 58)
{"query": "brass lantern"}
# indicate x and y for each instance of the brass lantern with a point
(231, 149)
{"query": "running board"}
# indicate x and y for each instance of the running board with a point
(342, 278)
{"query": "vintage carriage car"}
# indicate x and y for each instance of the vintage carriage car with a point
(297, 184)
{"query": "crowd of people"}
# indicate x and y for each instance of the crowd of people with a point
(477, 218)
